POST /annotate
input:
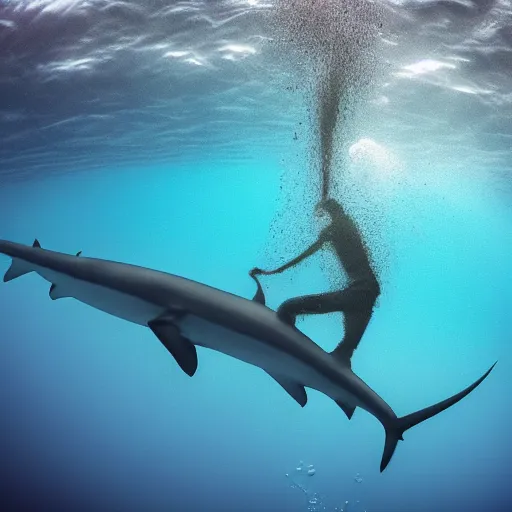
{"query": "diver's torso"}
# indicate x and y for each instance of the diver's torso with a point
(348, 245)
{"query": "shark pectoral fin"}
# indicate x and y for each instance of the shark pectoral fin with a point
(181, 348)
(56, 292)
(19, 267)
(347, 409)
(294, 389)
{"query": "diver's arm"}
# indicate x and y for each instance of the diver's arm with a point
(308, 252)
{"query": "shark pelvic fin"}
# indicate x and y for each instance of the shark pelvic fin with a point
(181, 348)
(57, 293)
(347, 409)
(19, 267)
(294, 389)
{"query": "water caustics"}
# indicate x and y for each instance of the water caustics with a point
(123, 70)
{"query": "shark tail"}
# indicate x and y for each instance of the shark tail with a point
(19, 267)
(395, 430)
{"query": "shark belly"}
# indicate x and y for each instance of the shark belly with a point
(249, 350)
(113, 302)
(266, 355)
(277, 363)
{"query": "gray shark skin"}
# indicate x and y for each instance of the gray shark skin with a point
(184, 314)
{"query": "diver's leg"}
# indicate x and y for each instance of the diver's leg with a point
(356, 318)
(355, 304)
(311, 305)
(355, 323)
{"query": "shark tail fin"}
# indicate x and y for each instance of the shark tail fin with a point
(19, 267)
(395, 431)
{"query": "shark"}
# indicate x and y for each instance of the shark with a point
(184, 314)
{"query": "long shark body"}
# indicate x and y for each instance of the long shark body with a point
(184, 314)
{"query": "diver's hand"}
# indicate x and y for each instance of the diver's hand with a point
(255, 271)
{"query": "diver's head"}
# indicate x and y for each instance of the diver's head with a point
(330, 207)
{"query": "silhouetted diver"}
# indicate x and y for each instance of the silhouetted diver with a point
(356, 301)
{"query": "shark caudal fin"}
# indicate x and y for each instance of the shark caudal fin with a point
(19, 267)
(394, 432)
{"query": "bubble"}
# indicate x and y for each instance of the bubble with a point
(315, 502)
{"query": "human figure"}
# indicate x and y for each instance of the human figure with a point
(356, 301)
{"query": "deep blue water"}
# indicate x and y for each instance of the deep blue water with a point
(177, 136)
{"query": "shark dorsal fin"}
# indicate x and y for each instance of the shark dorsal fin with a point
(36, 244)
(259, 296)
(341, 355)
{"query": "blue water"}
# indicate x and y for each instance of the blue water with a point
(97, 416)
(180, 136)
